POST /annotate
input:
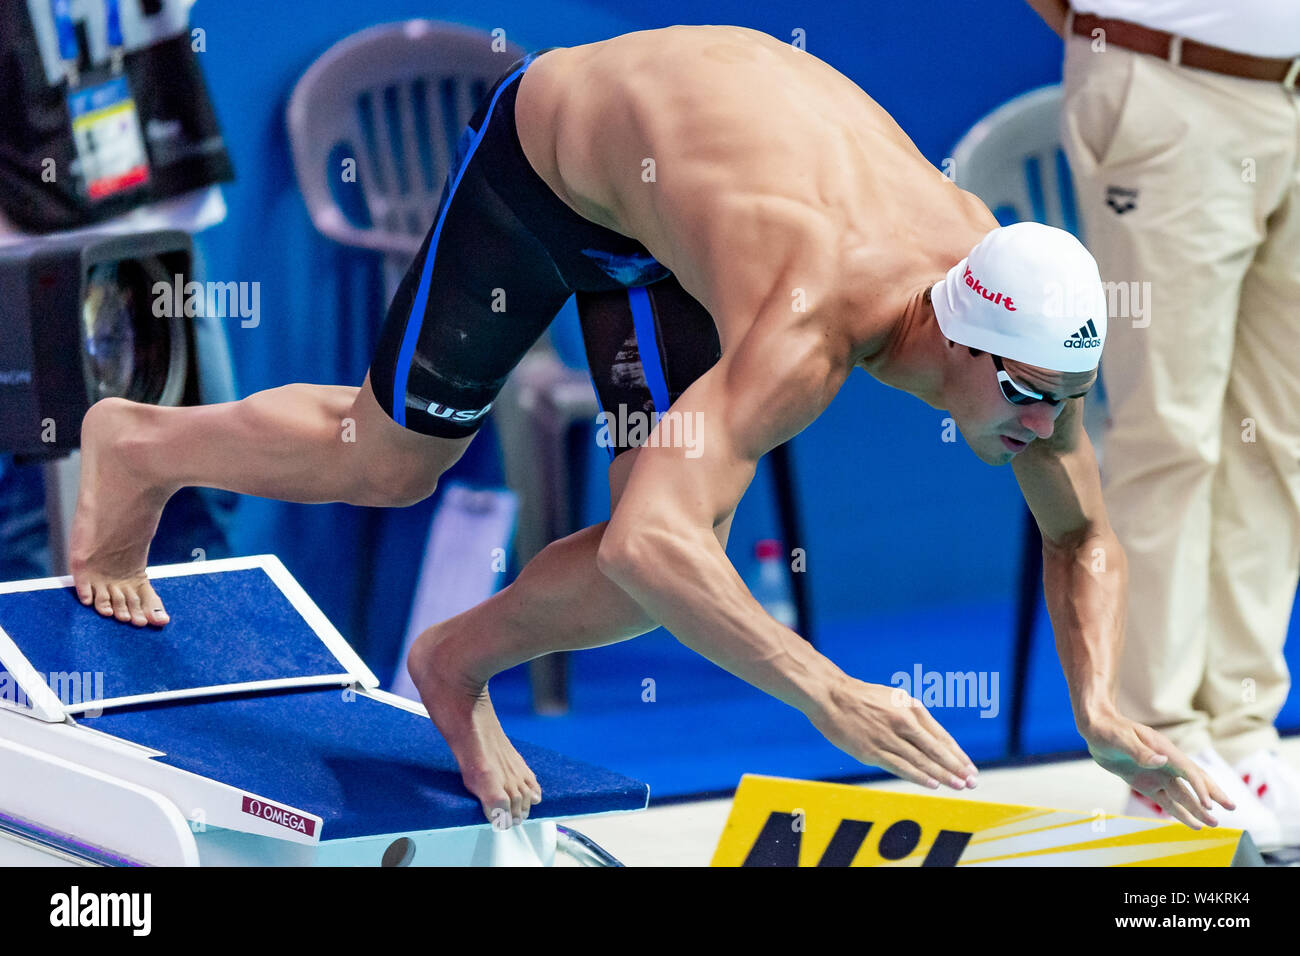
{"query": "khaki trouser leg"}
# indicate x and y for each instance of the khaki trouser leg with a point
(1176, 138)
(1255, 532)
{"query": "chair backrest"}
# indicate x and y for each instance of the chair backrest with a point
(1012, 159)
(394, 98)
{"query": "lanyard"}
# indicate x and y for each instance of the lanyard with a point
(111, 156)
(66, 31)
(113, 20)
(113, 31)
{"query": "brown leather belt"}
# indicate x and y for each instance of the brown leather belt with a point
(1185, 52)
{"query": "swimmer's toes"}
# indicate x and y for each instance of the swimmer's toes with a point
(153, 606)
(138, 617)
(487, 787)
(497, 809)
(120, 609)
(129, 601)
(103, 600)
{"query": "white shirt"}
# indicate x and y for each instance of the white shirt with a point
(1260, 27)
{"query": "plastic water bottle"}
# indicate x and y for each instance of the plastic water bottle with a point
(771, 584)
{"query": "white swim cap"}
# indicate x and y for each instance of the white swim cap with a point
(1026, 292)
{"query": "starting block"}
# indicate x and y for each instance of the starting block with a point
(245, 732)
(780, 822)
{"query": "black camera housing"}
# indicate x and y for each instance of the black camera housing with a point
(47, 376)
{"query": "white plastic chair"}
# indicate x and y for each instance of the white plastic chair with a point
(1012, 159)
(394, 98)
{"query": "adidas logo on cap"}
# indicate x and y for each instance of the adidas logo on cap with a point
(1085, 338)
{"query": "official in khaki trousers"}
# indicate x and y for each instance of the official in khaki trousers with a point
(1188, 186)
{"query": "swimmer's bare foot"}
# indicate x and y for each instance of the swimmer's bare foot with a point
(490, 766)
(117, 514)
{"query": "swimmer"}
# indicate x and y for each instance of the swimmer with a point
(743, 227)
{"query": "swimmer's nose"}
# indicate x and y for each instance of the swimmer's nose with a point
(1040, 418)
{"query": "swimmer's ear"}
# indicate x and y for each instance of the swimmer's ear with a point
(974, 353)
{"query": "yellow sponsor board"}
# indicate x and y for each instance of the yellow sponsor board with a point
(780, 822)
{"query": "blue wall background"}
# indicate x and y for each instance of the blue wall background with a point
(912, 544)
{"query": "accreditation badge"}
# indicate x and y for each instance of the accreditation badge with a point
(111, 153)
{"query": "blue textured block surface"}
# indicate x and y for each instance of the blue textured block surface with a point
(227, 627)
(364, 766)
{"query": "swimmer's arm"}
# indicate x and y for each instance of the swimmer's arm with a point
(1085, 579)
(1085, 572)
(660, 546)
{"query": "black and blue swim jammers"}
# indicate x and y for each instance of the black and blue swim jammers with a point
(502, 257)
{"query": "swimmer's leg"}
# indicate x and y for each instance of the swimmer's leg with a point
(560, 602)
(442, 354)
(303, 443)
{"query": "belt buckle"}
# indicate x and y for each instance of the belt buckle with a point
(1289, 81)
(1175, 55)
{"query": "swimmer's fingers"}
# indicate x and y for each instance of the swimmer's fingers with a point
(935, 770)
(1175, 799)
(886, 726)
(944, 748)
(1192, 789)
(901, 767)
(1185, 774)
(1215, 791)
(916, 738)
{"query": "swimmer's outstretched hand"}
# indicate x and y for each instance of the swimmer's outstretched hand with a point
(1146, 760)
(889, 728)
